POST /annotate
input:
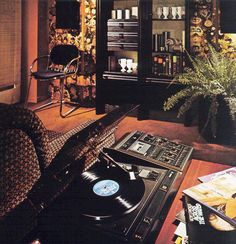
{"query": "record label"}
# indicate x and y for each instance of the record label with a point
(105, 188)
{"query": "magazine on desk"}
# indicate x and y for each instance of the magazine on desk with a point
(206, 178)
(210, 209)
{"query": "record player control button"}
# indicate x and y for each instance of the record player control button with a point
(171, 174)
(138, 237)
(149, 138)
(147, 220)
(124, 146)
(174, 150)
(164, 187)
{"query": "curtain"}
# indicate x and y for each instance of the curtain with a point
(10, 46)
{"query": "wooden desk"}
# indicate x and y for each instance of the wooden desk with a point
(197, 168)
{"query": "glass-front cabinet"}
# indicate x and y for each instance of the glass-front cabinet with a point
(123, 38)
(140, 47)
(168, 37)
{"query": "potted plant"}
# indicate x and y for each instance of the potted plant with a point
(211, 81)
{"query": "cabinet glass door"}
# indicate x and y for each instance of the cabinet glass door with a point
(168, 38)
(122, 40)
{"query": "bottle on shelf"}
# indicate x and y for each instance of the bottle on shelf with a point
(160, 65)
(162, 13)
(174, 65)
(166, 36)
(177, 14)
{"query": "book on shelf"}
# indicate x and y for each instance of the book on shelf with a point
(210, 210)
(169, 64)
(112, 63)
(159, 41)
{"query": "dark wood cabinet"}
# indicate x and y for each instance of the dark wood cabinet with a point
(140, 47)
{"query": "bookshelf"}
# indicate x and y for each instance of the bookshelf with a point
(140, 48)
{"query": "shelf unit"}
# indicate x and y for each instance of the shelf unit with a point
(138, 56)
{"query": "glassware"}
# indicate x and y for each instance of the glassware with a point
(129, 63)
(170, 15)
(162, 16)
(122, 62)
(165, 12)
(134, 67)
(174, 12)
(159, 12)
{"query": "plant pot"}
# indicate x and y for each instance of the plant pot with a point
(225, 126)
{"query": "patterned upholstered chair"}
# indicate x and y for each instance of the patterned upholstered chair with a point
(47, 143)
(19, 171)
(27, 149)
(14, 159)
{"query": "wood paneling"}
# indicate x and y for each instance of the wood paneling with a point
(10, 50)
(29, 44)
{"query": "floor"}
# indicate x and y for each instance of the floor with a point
(53, 121)
(167, 126)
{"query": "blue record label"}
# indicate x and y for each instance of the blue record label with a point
(105, 188)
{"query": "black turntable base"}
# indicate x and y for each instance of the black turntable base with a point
(110, 203)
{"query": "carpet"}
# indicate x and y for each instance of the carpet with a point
(203, 150)
(172, 130)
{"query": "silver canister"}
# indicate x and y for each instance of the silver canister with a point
(134, 12)
(127, 13)
(113, 14)
(119, 14)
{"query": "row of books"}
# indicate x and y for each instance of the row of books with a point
(168, 64)
(209, 214)
(159, 41)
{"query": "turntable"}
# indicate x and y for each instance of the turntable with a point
(128, 194)
(125, 203)
(122, 198)
(112, 202)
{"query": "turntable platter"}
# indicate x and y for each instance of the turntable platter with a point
(107, 193)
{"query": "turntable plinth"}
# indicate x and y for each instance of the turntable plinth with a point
(197, 168)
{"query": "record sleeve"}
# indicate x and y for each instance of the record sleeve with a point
(211, 211)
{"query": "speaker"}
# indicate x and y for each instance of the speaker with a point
(228, 16)
(67, 14)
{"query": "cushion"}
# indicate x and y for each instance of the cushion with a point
(17, 117)
(19, 168)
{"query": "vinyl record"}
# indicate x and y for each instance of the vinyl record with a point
(106, 193)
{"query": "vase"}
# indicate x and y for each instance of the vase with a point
(225, 126)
